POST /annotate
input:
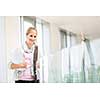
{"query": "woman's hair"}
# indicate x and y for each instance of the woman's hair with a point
(29, 30)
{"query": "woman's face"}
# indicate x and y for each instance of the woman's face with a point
(31, 37)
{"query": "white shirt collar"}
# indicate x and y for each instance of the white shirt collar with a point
(26, 49)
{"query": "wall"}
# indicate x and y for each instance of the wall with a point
(3, 66)
(12, 29)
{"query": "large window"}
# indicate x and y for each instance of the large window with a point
(68, 39)
(43, 29)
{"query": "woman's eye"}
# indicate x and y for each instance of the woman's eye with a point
(31, 36)
(34, 36)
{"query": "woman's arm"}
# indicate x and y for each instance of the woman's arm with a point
(16, 66)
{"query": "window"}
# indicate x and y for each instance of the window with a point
(43, 29)
(68, 39)
(26, 22)
(63, 38)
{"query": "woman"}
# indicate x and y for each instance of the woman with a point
(23, 59)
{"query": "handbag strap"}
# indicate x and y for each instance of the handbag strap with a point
(35, 58)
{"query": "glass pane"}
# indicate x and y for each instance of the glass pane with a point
(63, 39)
(58, 65)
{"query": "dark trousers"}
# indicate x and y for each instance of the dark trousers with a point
(26, 81)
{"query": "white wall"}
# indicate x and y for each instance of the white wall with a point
(3, 65)
(12, 29)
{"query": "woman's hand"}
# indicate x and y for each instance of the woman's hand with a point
(23, 65)
(16, 66)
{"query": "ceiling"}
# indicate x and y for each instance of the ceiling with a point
(90, 25)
